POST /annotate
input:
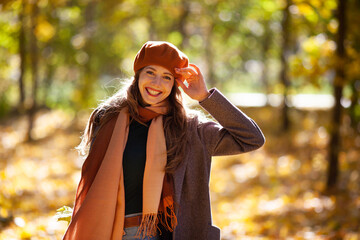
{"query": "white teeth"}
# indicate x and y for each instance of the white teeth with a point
(152, 92)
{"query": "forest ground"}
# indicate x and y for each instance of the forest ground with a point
(276, 192)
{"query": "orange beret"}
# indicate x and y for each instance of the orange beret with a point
(160, 53)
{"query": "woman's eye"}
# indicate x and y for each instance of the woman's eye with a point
(150, 72)
(167, 78)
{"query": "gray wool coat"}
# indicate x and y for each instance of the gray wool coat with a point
(234, 133)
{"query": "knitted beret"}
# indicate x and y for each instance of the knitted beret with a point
(160, 53)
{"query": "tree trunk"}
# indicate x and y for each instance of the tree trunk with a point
(210, 57)
(34, 69)
(50, 69)
(335, 138)
(87, 85)
(22, 51)
(152, 29)
(182, 24)
(284, 75)
(48, 56)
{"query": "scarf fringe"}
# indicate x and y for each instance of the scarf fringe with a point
(148, 226)
(149, 222)
(168, 218)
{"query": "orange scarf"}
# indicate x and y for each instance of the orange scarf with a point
(99, 209)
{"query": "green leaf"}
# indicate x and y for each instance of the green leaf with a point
(64, 214)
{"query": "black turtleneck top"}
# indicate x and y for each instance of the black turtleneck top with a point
(134, 159)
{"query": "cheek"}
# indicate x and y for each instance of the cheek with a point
(141, 82)
(169, 86)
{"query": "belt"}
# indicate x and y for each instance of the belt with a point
(132, 221)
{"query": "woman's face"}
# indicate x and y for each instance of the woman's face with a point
(155, 84)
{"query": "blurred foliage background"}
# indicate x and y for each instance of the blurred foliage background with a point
(292, 65)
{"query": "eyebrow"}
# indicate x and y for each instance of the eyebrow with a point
(164, 73)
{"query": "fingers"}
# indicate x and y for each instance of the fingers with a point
(187, 71)
(182, 84)
(196, 68)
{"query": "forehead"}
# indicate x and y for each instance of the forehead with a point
(159, 69)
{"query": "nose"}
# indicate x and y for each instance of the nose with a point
(156, 80)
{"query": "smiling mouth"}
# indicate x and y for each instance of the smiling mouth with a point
(153, 92)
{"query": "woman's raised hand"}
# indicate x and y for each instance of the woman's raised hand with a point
(195, 87)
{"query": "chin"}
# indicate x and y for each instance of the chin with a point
(149, 102)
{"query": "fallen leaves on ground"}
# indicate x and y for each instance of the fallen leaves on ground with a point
(276, 192)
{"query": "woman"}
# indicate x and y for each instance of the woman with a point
(147, 172)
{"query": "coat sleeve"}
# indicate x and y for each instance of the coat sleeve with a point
(234, 133)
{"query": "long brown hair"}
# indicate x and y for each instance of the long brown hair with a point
(175, 121)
